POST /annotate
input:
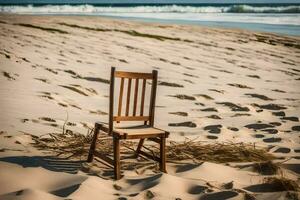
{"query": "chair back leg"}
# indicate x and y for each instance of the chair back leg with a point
(162, 163)
(117, 166)
(94, 142)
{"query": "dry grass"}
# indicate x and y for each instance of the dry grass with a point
(266, 168)
(216, 152)
(282, 183)
(70, 144)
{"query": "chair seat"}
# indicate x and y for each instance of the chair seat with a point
(137, 132)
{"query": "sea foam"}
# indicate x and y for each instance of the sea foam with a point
(77, 9)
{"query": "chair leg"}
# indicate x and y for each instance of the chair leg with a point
(139, 147)
(93, 144)
(162, 164)
(117, 166)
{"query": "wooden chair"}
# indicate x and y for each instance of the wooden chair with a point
(141, 132)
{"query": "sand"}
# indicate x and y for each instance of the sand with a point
(215, 85)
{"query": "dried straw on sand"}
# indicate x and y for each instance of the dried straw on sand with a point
(70, 144)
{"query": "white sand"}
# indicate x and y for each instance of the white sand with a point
(36, 65)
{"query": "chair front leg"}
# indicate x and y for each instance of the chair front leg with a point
(94, 142)
(117, 167)
(139, 147)
(162, 163)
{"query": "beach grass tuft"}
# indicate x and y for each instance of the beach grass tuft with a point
(216, 152)
(52, 30)
(84, 27)
(128, 32)
(282, 183)
(266, 167)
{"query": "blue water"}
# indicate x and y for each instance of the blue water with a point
(269, 28)
(273, 18)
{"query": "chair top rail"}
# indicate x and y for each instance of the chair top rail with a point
(133, 75)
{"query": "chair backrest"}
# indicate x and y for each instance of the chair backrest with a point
(137, 78)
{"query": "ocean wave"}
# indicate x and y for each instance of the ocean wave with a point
(94, 9)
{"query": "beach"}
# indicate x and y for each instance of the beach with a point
(215, 85)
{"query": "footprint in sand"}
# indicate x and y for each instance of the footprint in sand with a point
(218, 91)
(213, 128)
(98, 112)
(234, 107)
(79, 89)
(270, 131)
(197, 189)
(183, 97)
(280, 113)
(48, 119)
(75, 106)
(183, 124)
(239, 85)
(259, 136)
(62, 104)
(241, 114)
(233, 128)
(271, 106)
(46, 95)
(44, 80)
(9, 76)
(205, 96)
(6, 55)
(272, 140)
(293, 119)
(275, 123)
(280, 91)
(213, 117)
(198, 103)
(212, 137)
(254, 76)
(283, 150)
(71, 124)
(95, 79)
(190, 75)
(43, 120)
(24, 120)
(168, 84)
(189, 81)
(209, 110)
(259, 96)
(184, 114)
(296, 128)
(259, 126)
(51, 70)
(71, 72)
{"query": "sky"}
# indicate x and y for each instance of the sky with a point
(145, 1)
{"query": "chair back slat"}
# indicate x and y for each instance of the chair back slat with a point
(143, 97)
(131, 112)
(136, 90)
(121, 97)
(128, 97)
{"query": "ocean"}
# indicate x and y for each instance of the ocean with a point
(273, 18)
